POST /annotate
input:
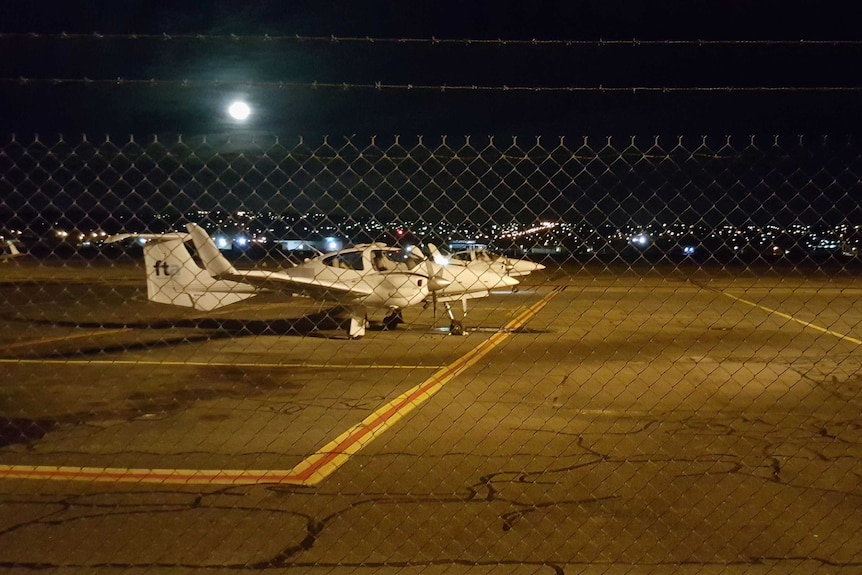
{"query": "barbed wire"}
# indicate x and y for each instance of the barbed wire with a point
(297, 38)
(381, 86)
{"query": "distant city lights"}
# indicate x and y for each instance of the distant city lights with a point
(640, 240)
(311, 231)
(543, 226)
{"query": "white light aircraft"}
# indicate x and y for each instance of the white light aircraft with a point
(366, 276)
(464, 283)
(480, 260)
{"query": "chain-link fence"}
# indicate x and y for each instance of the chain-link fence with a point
(676, 388)
(728, 198)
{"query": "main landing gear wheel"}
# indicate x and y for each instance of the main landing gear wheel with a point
(456, 328)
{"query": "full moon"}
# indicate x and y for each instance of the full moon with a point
(239, 110)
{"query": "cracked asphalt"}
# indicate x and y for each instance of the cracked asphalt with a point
(639, 423)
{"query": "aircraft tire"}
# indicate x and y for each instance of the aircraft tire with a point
(455, 328)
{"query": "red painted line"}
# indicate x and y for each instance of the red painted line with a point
(452, 370)
(345, 445)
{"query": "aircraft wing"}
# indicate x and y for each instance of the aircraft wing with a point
(298, 285)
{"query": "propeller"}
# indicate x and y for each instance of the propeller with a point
(436, 277)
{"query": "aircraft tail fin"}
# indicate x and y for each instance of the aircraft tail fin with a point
(174, 278)
(214, 262)
(13, 249)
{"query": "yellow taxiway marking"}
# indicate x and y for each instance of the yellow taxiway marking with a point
(128, 362)
(337, 452)
(63, 338)
(793, 319)
(316, 467)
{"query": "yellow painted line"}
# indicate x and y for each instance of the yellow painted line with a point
(316, 467)
(793, 319)
(132, 362)
(127, 475)
(63, 338)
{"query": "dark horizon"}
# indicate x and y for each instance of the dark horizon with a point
(718, 181)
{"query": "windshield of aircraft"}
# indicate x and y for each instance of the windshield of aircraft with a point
(472, 255)
(345, 260)
(395, 259)
(482, 255)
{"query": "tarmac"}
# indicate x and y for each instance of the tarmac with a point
(676, 420)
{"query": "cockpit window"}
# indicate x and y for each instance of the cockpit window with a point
(381, 262)
(413, 260)
(389, 260)
(345, 260)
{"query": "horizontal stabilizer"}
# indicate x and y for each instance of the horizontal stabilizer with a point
(207, 300)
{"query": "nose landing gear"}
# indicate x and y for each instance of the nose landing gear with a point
(456, 327)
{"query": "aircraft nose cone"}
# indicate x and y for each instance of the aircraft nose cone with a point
(524, 267)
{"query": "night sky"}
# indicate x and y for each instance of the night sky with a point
(217, 70)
